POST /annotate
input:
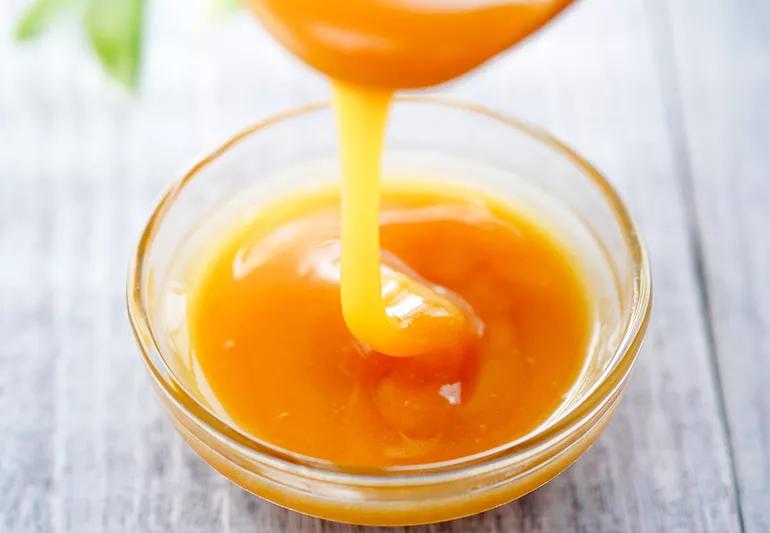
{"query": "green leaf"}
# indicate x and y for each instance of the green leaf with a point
(114, 29)
(39, 16)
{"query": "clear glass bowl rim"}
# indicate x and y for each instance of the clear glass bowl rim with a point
(606, 388)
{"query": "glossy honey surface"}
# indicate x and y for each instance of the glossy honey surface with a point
(269, 337)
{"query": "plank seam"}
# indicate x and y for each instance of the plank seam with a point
(663, 41)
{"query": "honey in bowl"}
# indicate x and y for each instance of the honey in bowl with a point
(270, 175)
(406, 326)
(267, 330)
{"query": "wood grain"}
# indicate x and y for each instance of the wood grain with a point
(717, 66)
(84, 446)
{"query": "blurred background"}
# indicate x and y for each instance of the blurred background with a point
(670, 99)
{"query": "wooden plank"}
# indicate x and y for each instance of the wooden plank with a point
(28, 348)
(718, 70)
(89, 449)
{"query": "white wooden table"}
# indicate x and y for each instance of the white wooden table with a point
(670, 98)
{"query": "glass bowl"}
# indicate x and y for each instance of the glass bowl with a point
(427, 137)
